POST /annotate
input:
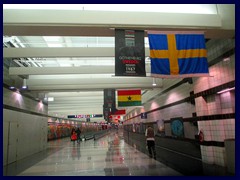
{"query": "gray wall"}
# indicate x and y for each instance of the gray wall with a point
(24, 134)
(24, 126)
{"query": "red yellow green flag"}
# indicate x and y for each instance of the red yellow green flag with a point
(129, 98)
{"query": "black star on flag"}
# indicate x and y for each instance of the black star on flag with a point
(129, 98)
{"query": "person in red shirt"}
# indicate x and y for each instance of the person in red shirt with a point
(73, 135)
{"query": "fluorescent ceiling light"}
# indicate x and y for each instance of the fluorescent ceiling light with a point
(55, 45)
(52, 38)
(66, 65)
(50, 99)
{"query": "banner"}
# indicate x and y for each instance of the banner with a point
(129, 98)
(129, 53)
(109, 105)
(178, 54)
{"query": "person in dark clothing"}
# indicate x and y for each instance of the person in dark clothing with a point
(150, 142)
(78, 131)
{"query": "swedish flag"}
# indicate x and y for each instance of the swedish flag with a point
(178, 54)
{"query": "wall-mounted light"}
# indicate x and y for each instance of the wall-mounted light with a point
(226, 90)
(11, 87)
(226, 59)
(24, 86)
(154, 82)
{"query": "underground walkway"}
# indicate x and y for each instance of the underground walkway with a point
(107, 156)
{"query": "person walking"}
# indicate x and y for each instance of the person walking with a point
(150, 140)
(73, 135)
(78, 131)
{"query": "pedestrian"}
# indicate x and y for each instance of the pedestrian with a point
(73, 135)
(150, 140)
(78, 131)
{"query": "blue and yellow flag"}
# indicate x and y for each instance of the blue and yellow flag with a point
(178, 54)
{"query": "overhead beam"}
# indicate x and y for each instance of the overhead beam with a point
(98, 87)
(77, 102)
(33, 30)
(60, 30)
(65, 106)
(90, 81)
(102, 23)
(74, 94)
(65, 70)
(72, 111)
(60, 52)
(108, 18)
(76, 99)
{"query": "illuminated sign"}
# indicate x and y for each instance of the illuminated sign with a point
(85, 116)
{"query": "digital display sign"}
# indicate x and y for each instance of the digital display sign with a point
(85, 116)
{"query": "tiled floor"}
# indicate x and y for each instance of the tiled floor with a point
(107, 156)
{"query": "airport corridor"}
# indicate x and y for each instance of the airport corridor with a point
(107, 156)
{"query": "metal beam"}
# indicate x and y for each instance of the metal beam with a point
(36, 30)
(91, 81)
(64, 87)
(102, 23)
(65, 70)
(108, 18)
(60, 52)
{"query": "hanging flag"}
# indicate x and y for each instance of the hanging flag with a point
(119, 112)
(129, 98)
(178, 54)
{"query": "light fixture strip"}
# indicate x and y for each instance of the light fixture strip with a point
(225, 90)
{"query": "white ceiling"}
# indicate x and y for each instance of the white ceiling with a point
(73, 63)
(81, 92)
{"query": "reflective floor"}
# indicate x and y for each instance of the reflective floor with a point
(107, 156)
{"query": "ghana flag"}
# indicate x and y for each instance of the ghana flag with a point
(129, 98)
